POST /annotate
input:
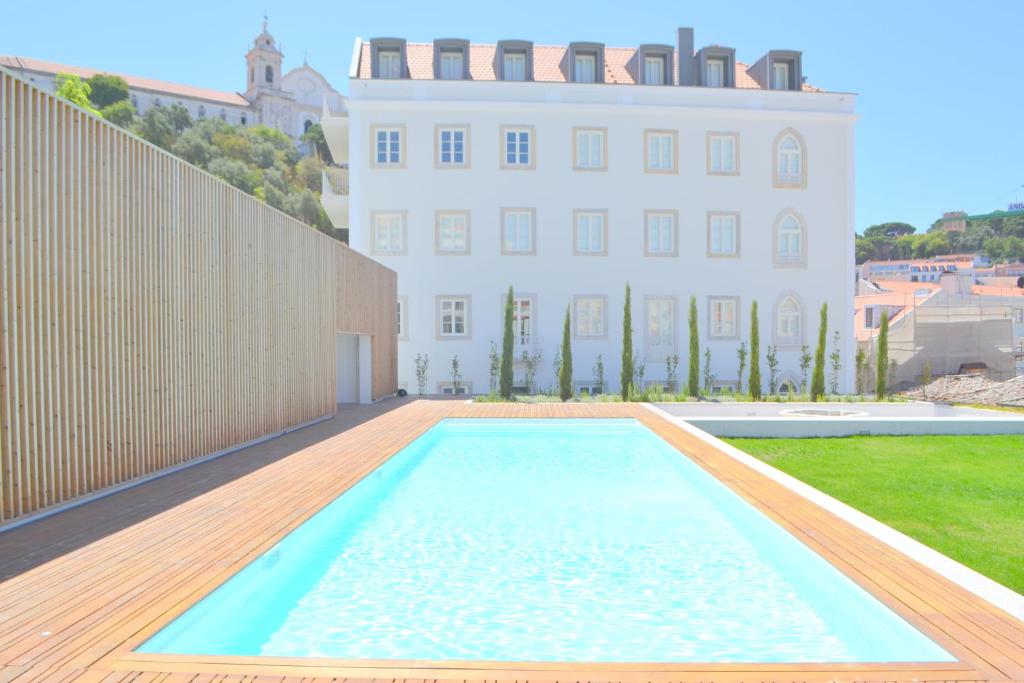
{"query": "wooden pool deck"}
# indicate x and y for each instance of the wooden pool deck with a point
(81, 589)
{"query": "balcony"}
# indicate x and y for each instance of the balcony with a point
(335, 196)
(334, 122)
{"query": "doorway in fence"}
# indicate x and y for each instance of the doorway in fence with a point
(352, 365)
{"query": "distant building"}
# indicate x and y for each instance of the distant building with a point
(290, 102)
(923, 270)
(954, 221)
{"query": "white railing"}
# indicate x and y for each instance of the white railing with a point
(334, 105)
(335, 180)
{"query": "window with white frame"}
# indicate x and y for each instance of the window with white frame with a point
(517, 143)
(514, 66)
(723, 234)
(723, 317)
(654, 70)
(589, 145)
(661, 327)
(400, 312)
(590, 316)
(590, 232)
(517, 231)
(453, 232)
(453, 317)
(789, 161)
(789, 321)
(452, 65)
(452, 146)
(585, 68)
(789, 241)
(714, 76)
(660, 234)
(780, 76)
(522, 320)
(388, 150)
(660, 152)
(389, 64)
(388, 233)
(722, 153)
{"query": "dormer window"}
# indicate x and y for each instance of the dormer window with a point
(389, 64)
(513, 60)
(452, 65)
(654, 70)
(714, 73)
(652, 65)
(515, 66)
(780, 76)
(584, 68)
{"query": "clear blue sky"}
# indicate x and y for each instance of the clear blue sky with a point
(940, 83)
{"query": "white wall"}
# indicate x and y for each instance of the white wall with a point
(347, 368)
(554, 189)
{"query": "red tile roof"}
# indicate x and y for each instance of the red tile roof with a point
(137, 82)
(992, 290)
(547, 64)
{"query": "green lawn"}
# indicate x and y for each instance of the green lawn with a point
(962, 495)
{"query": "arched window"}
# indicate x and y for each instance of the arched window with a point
(307, 125)
(790, 240)
(269, 74)
(790, 160)
(788, 386)
(789, 322)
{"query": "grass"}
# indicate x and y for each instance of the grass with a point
(961, 495)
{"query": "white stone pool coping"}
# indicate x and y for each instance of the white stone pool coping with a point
(999, 595)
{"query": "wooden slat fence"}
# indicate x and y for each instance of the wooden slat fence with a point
(151, 313)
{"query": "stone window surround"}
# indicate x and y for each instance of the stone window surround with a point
(403, 303)
(405, 232)
(576, 213)
(736, 151)
(603, 298)
(802, 185)
(675, 324)
(737, 253)
(403, 143)
(789, 343)
(533, 230)
(466, 146)
(675, 233)
(506, 127)
(711, 299)
(437, 232)
(648, 132)
(575, 148)
(779, 261)
(469, 317)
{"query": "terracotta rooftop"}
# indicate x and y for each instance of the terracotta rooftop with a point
(992, 290)
(137, 82)
(547, 64)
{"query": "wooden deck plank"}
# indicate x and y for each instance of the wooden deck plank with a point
(102, 579)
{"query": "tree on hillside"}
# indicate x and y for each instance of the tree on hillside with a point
(818, 376)
(754, 383)
(626, 376)
(107, 89)
(120, 114)
(507, 349)
(315, 137)
(693, 375)
(565, 369)
(881, 385)
(75, 90)
(889, 230)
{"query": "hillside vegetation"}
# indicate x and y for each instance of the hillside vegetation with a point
(999, 235)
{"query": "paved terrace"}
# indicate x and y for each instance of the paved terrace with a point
(80, 590)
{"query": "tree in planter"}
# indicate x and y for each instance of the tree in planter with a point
(692, 377)
(565, 370)
(754, 383)
(671, 364)
(531, 361)
(494, 367)
(859, 361)
(882, 357)
(456, 375)
(626, 376)
(835, 359)
(805, 365)
(741, 354)
(507, 350)
(599, 374)
(773, 369)
(422, 362)
(818, 376)
(556, 366)
(709, 378)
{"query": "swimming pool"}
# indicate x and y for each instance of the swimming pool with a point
(543, 540)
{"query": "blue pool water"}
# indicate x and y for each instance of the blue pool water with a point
(543, 540)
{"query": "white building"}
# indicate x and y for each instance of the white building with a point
(568, 171)
(290, 102)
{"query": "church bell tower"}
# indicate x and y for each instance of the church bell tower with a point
(263, 63)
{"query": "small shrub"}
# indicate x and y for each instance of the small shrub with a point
(422, 363)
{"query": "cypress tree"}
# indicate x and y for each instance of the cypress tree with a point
(692, 378)
(507, 350)
(818, 376)
(883, 357)
(626, 378)
(565, 369)
(754, 383)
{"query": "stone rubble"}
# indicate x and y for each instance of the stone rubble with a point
(971, 389)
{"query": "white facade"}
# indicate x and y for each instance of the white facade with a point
(592, 163)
